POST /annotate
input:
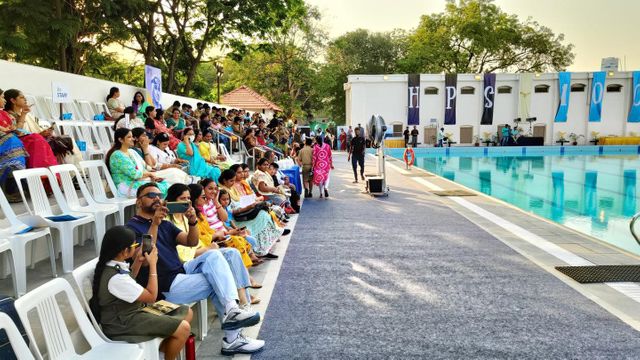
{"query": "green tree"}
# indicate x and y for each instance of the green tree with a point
(356, 52)
(63, 35)
(476, 36)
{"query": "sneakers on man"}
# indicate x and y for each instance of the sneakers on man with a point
(241, 345)
(238, 318)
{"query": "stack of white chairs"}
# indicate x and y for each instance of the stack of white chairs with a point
(97, 174)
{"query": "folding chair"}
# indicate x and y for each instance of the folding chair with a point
(57, 338)
(42, 213)
(66, 173)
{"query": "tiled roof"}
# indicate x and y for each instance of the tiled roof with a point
(245, 97)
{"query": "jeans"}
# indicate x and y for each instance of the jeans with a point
(239, 271)
(357, 159)
(252, 241)
(207, 276)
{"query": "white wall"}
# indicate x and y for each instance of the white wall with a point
(36, 81)
(387, 95)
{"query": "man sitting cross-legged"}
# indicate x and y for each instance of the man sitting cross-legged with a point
(208, 275)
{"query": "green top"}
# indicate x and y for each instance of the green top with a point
(179, 126)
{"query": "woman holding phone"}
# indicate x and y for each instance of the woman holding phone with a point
(118, 300)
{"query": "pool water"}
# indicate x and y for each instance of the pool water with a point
(596, 194)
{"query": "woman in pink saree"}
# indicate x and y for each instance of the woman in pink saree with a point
(322, 165)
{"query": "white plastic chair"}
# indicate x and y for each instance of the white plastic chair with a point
(35, 108)
(18, 245)
(40, 209)
(20, 348)
(66, 173)
(102, 107)
(57, 337)
(85, 131)
(83, 276)
(97, 172)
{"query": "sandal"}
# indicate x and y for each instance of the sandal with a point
(255, 300)
(256, 286)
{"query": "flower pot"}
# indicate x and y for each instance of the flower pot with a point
(574, 143)
(476, 144)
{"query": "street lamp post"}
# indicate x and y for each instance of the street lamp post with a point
(219, 72)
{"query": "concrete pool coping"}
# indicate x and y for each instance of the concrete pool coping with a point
(541, 241)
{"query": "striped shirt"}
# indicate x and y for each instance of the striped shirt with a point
(210, 211)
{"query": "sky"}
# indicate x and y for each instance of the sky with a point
(596, 28)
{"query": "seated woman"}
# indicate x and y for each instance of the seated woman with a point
(187, 150)
(263, 183)
(262, 226)
(40, 153)
(160, 125)
(172, 174)
(209, 238)
(242, 187)
(13, 156)
(164, 156)
(127, 167)
(176, 122)
(209, 152)
(115, 106)
(132, 123)
(118, 300)
(139, 104)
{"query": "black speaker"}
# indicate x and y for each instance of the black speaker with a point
(375, 184)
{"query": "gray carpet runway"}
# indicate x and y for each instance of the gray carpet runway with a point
(406, 277)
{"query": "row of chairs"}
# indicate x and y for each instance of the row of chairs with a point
(58, 339)
(41, 215)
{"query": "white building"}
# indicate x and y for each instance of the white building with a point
(387, 95)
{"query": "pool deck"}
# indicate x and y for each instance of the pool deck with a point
(364, 277)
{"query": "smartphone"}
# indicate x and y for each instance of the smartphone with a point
(226, 238)
(242, 228)
(178, 207)
(147, 244)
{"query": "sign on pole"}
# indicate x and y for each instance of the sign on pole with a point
(60, 93)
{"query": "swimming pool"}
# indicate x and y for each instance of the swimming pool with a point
(592, 189)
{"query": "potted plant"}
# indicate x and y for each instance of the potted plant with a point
(561, 138)
(574, 138)
(595, 136)
(476, 140)
(487, 138)
(448, 137)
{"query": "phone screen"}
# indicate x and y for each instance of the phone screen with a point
(147, 244)
(177, 207)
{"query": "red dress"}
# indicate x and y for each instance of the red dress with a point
(40, 153)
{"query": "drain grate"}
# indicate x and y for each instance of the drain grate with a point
(602, 273)
(453, 193)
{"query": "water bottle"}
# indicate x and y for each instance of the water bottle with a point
(190, 348)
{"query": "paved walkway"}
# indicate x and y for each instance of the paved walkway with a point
(407, 277)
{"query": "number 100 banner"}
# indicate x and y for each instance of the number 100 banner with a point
(597, 94)
(564, 89)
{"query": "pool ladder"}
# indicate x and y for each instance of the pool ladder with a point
(631, 227)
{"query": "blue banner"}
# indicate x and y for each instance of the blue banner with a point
(153, 84)
(597, 94)
(413, 100)
(634, 111)
(564, 89)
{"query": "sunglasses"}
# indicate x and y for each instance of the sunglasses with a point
(152, 195)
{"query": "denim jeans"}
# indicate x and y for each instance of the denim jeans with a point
(239, 271)
(252, 241)
(207, 276)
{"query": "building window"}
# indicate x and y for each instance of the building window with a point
(542, 88)
(431, 90)
(504, 89)
(467, 90)
(397, 130)
(614, 88)
(578, 87)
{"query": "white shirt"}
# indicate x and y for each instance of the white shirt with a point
(123, 286)
(162, 157)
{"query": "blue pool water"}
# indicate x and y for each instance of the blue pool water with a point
(591, 189)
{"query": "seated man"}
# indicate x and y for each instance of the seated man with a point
(208, 275)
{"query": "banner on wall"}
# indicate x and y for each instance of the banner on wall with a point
(413, 100)
(634, 111)
(564, 89)
(450, 93)
(524, 95)
(153, 84)
(489, 99)
(597, 94)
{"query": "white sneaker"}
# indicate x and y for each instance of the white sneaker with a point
(241, 345)
(238, 318)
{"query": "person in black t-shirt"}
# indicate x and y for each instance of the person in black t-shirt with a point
(406, 136)
(356, 154)
(414, 136)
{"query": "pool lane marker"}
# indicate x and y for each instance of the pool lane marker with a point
(631, 290)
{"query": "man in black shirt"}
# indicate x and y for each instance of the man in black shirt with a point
(356, 154)
(414, 136)
(406, 136)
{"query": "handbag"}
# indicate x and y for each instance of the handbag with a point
(251, 213)
(7, 307)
